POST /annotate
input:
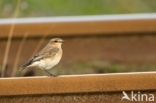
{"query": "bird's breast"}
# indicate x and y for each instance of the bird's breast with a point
(49, 63)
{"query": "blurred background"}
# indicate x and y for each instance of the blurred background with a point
(40, 8)
(82, 54)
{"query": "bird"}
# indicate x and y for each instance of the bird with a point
(48, 57)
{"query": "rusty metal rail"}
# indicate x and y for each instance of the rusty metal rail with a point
(97, 83)
(80, 25)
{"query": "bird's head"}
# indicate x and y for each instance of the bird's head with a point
(56, 41)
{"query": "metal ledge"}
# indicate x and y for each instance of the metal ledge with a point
(79, 25)
(95, 83)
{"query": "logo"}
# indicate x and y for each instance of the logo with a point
(137, 96)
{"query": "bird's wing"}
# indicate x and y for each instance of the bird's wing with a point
(44, 53)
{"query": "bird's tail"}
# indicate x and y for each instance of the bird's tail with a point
(19, 72)
(22, 68)
(27, 64)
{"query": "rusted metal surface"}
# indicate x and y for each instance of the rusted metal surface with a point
(78, 84)
(76, 26)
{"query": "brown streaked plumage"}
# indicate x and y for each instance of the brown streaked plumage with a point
(48, 57)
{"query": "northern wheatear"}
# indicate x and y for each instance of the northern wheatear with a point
(48, 57)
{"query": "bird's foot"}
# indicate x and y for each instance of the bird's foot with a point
(52, 75)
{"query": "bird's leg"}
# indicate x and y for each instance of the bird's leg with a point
(50, 73)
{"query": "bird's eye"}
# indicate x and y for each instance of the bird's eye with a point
(55, 41)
